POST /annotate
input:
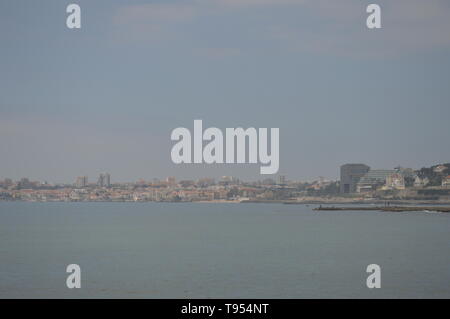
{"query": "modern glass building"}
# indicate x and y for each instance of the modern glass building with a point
(373, 178)
(350, 176)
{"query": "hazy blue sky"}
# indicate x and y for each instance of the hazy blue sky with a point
(106, 97)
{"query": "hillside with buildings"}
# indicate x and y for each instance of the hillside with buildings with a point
(358, 182)
(427, 183)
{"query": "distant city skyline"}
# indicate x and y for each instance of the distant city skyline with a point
(105, 98)
(346, 171)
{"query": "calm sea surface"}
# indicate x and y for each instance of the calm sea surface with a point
(164, 250)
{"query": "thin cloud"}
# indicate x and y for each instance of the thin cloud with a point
(252, 3)
(218, 53)
(338, 28)
(150, 22)
(333, 27)
(161, 12)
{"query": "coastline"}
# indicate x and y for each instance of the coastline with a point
(378, 202)
(439, 209)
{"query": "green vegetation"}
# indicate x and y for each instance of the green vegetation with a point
(433, 174)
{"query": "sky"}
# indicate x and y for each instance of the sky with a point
(105, 98)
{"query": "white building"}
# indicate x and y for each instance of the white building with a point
(446, 181)
(395, 181)
(421, 182)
